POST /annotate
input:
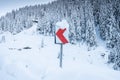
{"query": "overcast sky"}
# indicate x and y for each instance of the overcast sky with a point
(9, 5)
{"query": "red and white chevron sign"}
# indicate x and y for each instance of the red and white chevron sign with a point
(62, 30)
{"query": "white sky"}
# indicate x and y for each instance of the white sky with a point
(9, 5)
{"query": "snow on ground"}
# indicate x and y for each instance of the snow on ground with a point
(30, 56)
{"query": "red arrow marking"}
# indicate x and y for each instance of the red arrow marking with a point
(60, 35)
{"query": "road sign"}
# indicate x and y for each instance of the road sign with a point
(61, 36)
(61, 31)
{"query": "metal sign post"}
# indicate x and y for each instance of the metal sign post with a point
(61, 54)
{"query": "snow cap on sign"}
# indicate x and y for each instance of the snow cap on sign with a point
(63, 24)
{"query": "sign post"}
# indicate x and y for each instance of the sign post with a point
(61, 38)
(61, 54)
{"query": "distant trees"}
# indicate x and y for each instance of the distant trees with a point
(106, 15)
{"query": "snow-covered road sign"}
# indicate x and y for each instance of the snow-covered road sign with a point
(61, 36)
(62, 30)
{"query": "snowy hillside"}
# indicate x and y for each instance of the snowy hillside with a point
(31, 56)
(91, 22)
